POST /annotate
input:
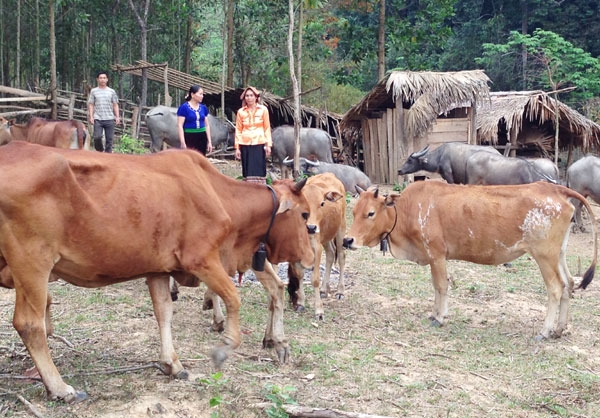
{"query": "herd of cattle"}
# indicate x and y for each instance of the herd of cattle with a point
(95, 219)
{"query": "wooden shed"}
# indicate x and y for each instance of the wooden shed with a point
(524, 122)
(406, 111)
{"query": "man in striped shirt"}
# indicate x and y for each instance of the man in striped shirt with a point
(103, 113)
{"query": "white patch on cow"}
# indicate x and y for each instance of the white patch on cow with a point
(471, 234)
(538, 219)
(422, 220)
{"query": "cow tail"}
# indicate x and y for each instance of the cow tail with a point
(81, 136)
(589, 274)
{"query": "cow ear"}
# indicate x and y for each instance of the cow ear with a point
(284, 206)
(391, 200)
(333, 196)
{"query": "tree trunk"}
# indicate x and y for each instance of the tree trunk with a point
(296, 91)
(299, 53)
(381, 42)
(229, 20)
(18, 47)
(54, 113)
(143, 23)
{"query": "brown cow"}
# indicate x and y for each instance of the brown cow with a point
(67, 134)
(431, 222)
(326, 227)
(96, 219)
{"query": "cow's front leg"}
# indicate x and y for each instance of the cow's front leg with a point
(439, 277)
(296, 286)
(274, 333)
(217, 280)
(163, 311)
(29, 322)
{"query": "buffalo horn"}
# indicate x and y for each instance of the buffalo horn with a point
(420, 153)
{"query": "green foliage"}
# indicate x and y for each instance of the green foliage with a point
(552, 63)
(129, 145)
(215, 383)
(399, 187)
(278, 396)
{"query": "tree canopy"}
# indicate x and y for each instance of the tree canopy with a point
(339, 40)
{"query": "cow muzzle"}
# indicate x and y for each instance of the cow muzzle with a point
(349, 243)
(312, 229)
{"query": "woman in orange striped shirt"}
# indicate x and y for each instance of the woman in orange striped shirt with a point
(253, 136)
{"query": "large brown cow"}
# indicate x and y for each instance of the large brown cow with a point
(96, 219)
(67, 134)
(326, 227)
(431, 222)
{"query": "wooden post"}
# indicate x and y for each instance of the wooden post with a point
(134, 122)
(168, 99)
(71, 105)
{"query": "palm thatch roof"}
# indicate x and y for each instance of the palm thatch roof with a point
(425, 95)
(512, 110)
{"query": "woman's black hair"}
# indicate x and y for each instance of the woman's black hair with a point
(193, 89)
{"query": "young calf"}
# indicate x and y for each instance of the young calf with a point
(326, 226)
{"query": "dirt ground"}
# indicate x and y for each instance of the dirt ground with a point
(375, 353)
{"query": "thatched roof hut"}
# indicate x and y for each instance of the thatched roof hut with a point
(280, 109)
(526, 121)
(406, 111)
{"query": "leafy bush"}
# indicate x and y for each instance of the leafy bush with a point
(129, 145)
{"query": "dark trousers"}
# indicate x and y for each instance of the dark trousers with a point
(108, 126)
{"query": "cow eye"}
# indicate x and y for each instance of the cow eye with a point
(322, 203)
(371, 214)
(305, 216)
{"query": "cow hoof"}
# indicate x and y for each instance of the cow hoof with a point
(320, 316)
(324, 295)
(219, 355)
(300, 309)
(283, 354)
(182, 375)
(268, 343)
(339, 296)
(76, 397)
(207, 305)
(434, 322)
(218, 326)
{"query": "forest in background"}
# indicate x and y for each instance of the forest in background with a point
(339, 44)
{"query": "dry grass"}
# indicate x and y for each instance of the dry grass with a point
(375, 353)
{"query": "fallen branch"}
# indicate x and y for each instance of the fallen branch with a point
(31, 407)
(299, 411)
(117, 370)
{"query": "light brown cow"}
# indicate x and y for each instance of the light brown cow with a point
(326, 227)
(96, 219)
(67, 134)
(431, 222)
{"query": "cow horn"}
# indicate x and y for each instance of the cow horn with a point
(359, 189)
(420, 153)
(313, 163)
(376, 193)
(287, 161)
(300, 184)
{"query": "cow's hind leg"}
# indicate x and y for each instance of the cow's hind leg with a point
(274, 333)
(212, 301)
(163, 311)
(557, 288)
(341, 259)
(295, 286)
(439, 276)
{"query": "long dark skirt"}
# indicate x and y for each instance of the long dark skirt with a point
(197, 141)
(254, 161)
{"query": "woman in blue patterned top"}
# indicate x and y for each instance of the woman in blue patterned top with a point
(192, 122)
